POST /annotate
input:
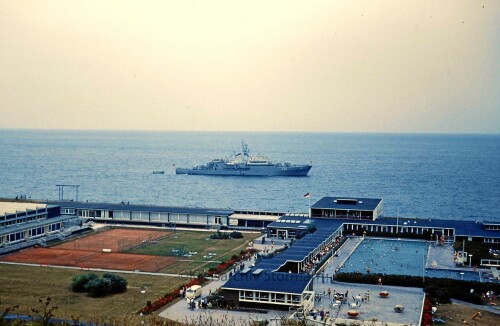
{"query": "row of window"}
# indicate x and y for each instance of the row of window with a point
(33, 232)
(364, 215)
(392, 229)
(21, 220)
(146, 216)
(257, 296)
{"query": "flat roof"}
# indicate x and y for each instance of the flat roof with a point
(141, 208)
(462, 228)
(347, 203)
(268, 281)
(10, 207)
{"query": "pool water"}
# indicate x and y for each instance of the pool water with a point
(397, 257)
(391, 257)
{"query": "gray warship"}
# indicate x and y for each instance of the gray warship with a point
(242, 164)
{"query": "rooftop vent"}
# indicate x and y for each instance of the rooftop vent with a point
(346, 201)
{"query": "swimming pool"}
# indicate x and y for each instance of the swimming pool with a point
(397, 257)
(384, 256)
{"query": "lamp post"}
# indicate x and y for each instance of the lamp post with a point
(143, 292)
(470, 260)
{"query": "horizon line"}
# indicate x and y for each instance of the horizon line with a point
(254, 131)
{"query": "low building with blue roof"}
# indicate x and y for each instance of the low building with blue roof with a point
(261, 288)
(347, 208)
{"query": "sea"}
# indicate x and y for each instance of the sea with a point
(440, 176)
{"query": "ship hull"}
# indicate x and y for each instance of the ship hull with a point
(267, 171)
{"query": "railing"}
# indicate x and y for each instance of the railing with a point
(490, 262)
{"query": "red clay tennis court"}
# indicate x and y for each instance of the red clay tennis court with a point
(100, 250)
(118, 240)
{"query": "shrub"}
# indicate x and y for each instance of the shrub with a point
(118, 283)
(98, 287)
(220, 235)
(79, 282)
(236, 235)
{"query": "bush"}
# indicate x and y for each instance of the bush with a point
(236, 235)
(118, 283)
(79, 282)
(97, 287)
(220, 236)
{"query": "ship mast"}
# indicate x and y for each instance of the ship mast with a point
(244, 151)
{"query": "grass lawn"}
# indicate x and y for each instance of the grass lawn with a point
(24, 285)
(183, 242)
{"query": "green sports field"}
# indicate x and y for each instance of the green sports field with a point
(194, 250)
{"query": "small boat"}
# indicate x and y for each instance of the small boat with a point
(384, 294)
(158, 172)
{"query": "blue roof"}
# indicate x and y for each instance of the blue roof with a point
(462, 228)
(141, 208)
(347, 203)
(269, 282)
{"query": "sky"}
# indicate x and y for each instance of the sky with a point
(302, 66)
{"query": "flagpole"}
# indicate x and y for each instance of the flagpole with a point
(309, 208)
(308, 195)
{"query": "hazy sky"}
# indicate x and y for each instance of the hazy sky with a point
(334, 65)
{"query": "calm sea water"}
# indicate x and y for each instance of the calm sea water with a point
(432, 176)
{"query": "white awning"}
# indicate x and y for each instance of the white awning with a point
(254, 217)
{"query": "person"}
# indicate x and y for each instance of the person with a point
(380, 281)
(329, 293)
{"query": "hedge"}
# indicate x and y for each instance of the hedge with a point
(440, 289)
